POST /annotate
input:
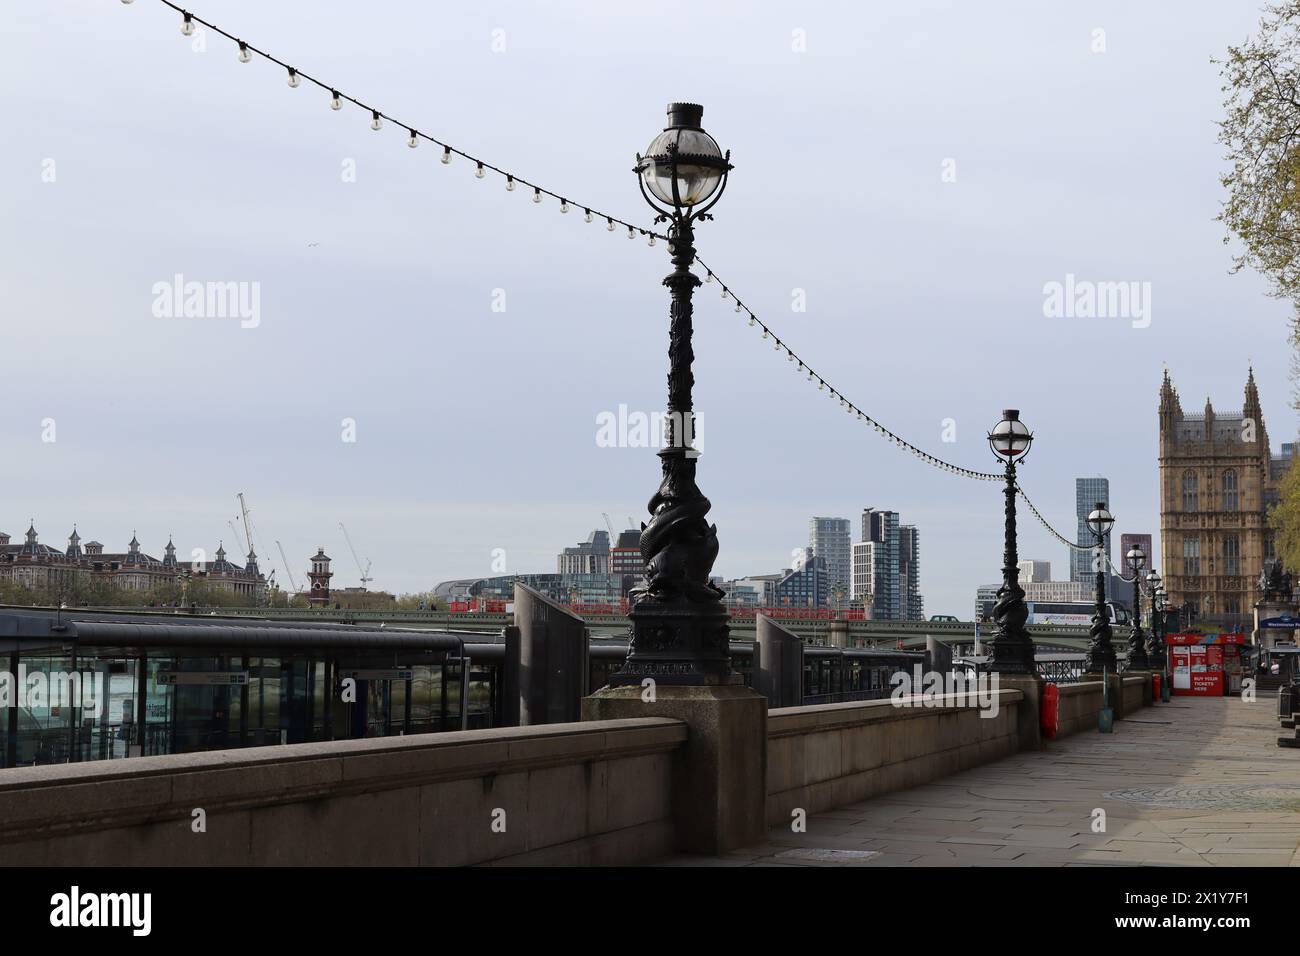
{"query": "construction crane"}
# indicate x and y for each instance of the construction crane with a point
(365, 578)
(235, 532)
(631, 523)
(288, 569)
(243, 509)
(613, 537)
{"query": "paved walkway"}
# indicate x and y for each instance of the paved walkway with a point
(1196, 782)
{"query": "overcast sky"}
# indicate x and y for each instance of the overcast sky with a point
(476, 429)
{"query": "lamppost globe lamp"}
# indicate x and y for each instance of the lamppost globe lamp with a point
(1010, 438)
(1100, 521)
(1137, 559)
(679, 631)
(1011, 648)
(683, 167)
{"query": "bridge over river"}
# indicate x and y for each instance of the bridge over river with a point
(837, 633)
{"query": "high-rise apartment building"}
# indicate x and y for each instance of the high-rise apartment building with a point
(1087, 492)
(886, 568)
(1126, 543)
(912, 604)
(831, 540)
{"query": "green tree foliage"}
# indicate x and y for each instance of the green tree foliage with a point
(1260, 131)
(1284, 518)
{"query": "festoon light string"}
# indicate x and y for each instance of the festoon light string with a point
(246, 51)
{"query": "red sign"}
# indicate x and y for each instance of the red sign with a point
(1198, 669)
(1177, 640)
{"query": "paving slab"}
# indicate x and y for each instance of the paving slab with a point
(1199, 782)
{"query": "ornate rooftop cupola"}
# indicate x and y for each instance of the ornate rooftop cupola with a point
(133, 550)
(251, 566)
(169, 554)
(31, 547)
(74, 544)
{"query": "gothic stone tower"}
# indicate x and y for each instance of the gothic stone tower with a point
(1215, 488)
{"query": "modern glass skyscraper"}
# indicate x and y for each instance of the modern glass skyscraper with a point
(1087, 492)
(831, 540)
(879, 564)
(911, 603)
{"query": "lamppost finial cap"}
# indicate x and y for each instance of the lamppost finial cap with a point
(685, 115)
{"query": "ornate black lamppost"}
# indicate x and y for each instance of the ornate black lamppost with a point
(1162, 604)
(679, 624)
(1012, 648)
(1155, 639)
(1101, 655)
(1137, 642)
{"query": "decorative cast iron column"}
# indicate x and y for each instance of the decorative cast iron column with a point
(679, 624)
(1012, 649)
(1101, 653)
(1137, 644)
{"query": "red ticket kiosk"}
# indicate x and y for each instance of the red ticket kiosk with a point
(1206, 665)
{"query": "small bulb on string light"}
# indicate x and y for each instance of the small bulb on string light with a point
(777, 346)
(587, 216)
(564, 205)
(708, 277)
(765, 332)
(610, 226)
(738, 309)
(244, 54)
(821, 386)
(537, 195)
(126, 2)
(294, 80)
(789, 356)
(414, 141)
(652, 240)
(510, 184)
(335, 102)
(187, 26)
(752, 320)
(810, 375)
(631, 233)
(724, 292)
(446, 155)
(376, 121)
(478, 171)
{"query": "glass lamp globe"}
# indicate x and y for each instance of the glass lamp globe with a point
(684, 155)
(1010, 437)
(1137, 558)
(1100, 520)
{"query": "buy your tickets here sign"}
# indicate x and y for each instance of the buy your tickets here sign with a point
(1201, 660)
